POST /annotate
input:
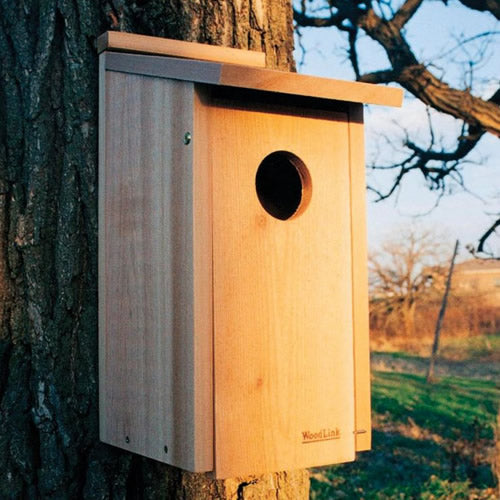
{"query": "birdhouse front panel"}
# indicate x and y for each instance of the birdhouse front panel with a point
(283, 326)
(233, 305)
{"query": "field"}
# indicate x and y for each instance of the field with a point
(430, 441)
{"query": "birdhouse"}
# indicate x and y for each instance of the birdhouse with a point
(233, 305)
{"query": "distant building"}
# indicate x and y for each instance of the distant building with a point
(480, 279)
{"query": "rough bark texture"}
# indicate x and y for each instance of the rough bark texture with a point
(49, 445)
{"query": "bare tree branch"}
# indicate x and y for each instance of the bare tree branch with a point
(386, 28)
(382, 76)
(405, 13)
(395, 184)
(465, 145)
(435, 165)
(461, 43)
(406, 69)
(491, 230)
(492, 6)
(353, 55)
(317, 22)
(418, 80)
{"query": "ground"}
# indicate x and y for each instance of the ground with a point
(430, 441)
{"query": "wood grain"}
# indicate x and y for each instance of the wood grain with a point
(360, 279)
(115, 40)
(305, 85)
(203, 287)
(254, 78)
(156, 324)
(163, 67)
(283, 346)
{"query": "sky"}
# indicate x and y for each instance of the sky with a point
(433, 33)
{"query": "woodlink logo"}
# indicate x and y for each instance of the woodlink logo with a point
(326, 434)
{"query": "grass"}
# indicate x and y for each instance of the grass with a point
(401, 355)
(452, 407)
(477, 348)
(429, 441)
(481, 347)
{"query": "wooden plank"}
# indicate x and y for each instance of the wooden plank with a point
(128, 42)
(324, 88)
(163, 67)
(255, 79)
(360, 279)
(101, 261)
(283, 347)
(152, 401)
(203, 287)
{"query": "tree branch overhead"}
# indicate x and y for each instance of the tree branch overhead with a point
(386, 25)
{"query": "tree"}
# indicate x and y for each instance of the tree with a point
(442, 311)
(385, 23)
(405, 271)
(49, 445)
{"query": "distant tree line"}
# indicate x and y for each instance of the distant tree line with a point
(407, 280)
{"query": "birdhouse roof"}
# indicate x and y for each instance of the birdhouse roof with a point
(222, 66)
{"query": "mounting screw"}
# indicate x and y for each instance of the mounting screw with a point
(127, 439)
(187, 138)
(165, 449)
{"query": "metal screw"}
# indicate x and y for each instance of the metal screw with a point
(165, 449)
(127, 439)
(187, 138)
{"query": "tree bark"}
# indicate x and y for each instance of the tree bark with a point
(49, 446)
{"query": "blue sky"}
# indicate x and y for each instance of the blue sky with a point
(433, 33)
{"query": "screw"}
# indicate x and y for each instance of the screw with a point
(187, 138)
(165, 449)
(127, 439)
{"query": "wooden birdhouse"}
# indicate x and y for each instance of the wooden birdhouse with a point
(233, 305)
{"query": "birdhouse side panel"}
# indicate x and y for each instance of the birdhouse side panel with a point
(149, 402)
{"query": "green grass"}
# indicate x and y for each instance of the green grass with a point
(400, 355)
(428, 443)
(452, 407)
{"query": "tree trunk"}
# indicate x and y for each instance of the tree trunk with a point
(49, 445)
(408, 311)
(442, 311)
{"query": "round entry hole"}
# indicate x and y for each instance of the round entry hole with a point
(283, 185)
